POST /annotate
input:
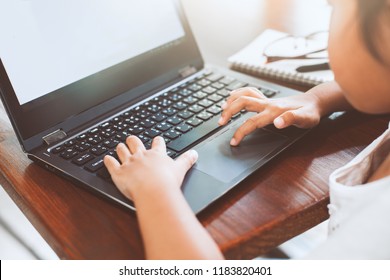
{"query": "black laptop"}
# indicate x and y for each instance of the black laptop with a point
(77, 77)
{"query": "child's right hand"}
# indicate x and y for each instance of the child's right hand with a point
(303, 111)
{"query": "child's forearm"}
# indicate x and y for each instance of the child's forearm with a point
(170, 230)
(330, 98)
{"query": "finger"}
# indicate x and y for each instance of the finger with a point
(250, 125)
(123, 152)
(244, 102)
(158, 144)
(186, 161)
(299, 118)
(111, 163)
(135, 144)
(247, 91)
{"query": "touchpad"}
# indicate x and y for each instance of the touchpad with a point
(224, 162)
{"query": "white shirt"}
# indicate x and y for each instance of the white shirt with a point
(359, 223)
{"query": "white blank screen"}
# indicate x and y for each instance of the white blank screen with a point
(48, 44)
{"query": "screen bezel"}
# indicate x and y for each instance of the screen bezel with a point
(100, 93)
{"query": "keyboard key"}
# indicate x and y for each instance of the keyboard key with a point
(105, 125)
(195, 87)
(209, 90)
(151, 133)
(194, 122)
(214, 77)
(107, 132)
(174, 120)
(171, 153)
(163, 126)
(122, 136)
(227, 80)
(172, 134)
(148, 145)
(183, 128)
(147, 123)
(194, 135)
(199, 95)
(185, 114)
(214, 110)
(207, 72)
(218, 85)
(143, 114)
(236, 85)
(180, 106)
(196, 108)
(175, 97)
(153, 108)
(236, 116)
(82, 137)
(205, 103)
(98, 150)
(224, 93)
(204, 116)
(120, 126)
(58, 149)
(203, 82)
(185, 92)
(83, 159)
(70, 143)
(215, 98)
(136, 129)
(111, 143)
(169, 112)
(69, 153)
(190, 100)
(131, 120)
(144, 138)
(165, 103)
(95, 165)
(159, 117)
(116, 119)
(94, 140)
(267, 92)
(82, 146)
(93, 131)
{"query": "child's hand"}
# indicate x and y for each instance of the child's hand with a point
(301, 110)
(143, 171)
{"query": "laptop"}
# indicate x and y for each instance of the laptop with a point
(77, 77)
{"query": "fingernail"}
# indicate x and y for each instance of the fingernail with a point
(223, 106)
(220, 121)
(233, 142)
(194, 155)
(279, 122)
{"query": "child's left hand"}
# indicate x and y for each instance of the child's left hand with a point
(144, 171)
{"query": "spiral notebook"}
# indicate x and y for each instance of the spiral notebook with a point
(250, 60)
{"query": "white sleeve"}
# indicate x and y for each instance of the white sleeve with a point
(365, 235)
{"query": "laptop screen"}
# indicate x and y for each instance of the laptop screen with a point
(62, 58)
(55, 43)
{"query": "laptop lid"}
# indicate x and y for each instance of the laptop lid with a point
(68, 62)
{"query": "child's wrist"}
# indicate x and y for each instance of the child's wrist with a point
(154, 193)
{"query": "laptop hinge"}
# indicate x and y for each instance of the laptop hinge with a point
(54, 137)
(187, 71)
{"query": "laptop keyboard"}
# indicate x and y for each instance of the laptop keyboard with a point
(182, 116)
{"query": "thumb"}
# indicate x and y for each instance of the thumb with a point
(187, 160)
(298, 117)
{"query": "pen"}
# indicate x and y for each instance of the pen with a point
(312, 68)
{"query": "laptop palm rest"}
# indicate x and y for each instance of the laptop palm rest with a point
(219, 164)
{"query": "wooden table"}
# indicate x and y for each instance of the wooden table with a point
(282, 200)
